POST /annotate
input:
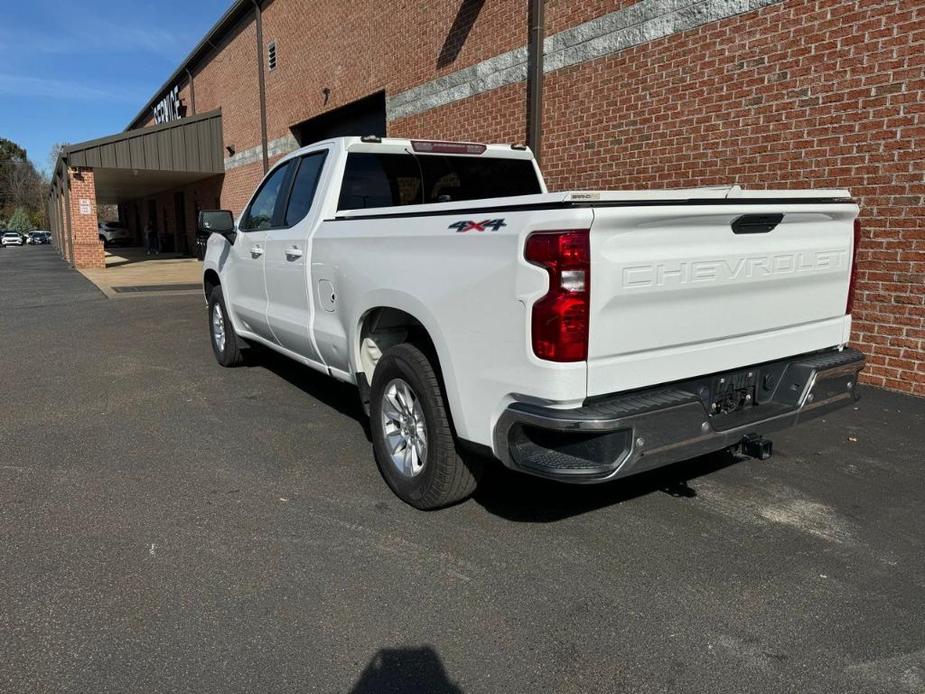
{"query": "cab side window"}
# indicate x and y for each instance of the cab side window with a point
(259, 216)
(304, 185)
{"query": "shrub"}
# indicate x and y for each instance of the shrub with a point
(20, 221)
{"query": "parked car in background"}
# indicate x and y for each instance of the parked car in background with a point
(11, 238)
(114, 234)
(38, 238)
(580, 336)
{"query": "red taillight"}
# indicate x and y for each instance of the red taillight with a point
(852, 283)
(560, 318)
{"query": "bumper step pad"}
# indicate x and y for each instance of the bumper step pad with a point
(616, 435)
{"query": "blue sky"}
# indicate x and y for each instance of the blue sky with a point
(72, 71)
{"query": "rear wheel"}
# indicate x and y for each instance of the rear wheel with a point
(412, 435)
(225, 343)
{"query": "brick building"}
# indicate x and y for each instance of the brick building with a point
(652, 93)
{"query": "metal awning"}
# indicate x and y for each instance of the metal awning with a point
(151, 160)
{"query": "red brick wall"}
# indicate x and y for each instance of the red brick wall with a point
(565, 14)
(382, 47)
(821, 93)
(86, 251)
(239, 185)
(229, 81)
(495, 116)
(799, 94)
(204, 195)
(385, 46)
(371, 50)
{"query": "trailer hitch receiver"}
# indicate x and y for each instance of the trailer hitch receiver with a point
(756, 446)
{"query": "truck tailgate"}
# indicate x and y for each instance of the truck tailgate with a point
(677, 292)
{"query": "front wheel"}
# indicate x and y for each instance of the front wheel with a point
(226, 345)
(412, 435)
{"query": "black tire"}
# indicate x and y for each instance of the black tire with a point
(445, 477)
(230, 353)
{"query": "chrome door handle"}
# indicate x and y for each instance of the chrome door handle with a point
(256, 251)
(293, 252)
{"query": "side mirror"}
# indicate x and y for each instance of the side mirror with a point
(217, 222)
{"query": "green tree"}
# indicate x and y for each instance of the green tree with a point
(10, 151)
(21, 185)
(20, 221)
(37, 218)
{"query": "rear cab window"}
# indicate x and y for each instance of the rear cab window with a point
(395, 179)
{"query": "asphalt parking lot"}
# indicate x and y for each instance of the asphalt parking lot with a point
(169, 525)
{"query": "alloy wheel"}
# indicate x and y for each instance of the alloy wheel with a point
(404, 427)
(218, 327)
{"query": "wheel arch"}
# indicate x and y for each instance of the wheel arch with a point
(385, 325)
(210, 280)
(381, 327)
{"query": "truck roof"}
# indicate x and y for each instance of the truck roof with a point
(398, 145)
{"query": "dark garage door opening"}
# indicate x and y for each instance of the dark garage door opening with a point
(362, 117)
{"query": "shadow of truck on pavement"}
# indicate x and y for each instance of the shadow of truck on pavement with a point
(405, 670)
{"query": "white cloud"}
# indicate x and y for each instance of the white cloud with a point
(108, 39)
(20, 85)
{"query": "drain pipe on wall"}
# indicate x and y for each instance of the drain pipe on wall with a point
(192, 90)
(535, 77)
(262, 85)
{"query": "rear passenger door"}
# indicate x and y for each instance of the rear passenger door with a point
(369, 180)
(289, 310)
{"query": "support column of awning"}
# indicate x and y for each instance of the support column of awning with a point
(127, 166)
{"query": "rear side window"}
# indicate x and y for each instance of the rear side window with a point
(259, 215)
(303, 188)
(392, 180)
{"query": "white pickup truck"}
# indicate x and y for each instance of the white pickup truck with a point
(579, 336)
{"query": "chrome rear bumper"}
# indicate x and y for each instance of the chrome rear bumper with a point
(626, 433)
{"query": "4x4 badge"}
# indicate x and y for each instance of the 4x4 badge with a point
(468, 225)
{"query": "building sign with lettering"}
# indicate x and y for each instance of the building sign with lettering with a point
(85, 207)
(168, 108)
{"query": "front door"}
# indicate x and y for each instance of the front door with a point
(288, 262)
(247, 270)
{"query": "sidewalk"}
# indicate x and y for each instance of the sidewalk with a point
(130, 272)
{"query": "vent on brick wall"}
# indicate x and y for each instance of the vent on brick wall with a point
(271, 55)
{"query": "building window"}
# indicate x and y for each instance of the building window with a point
(271, 55)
